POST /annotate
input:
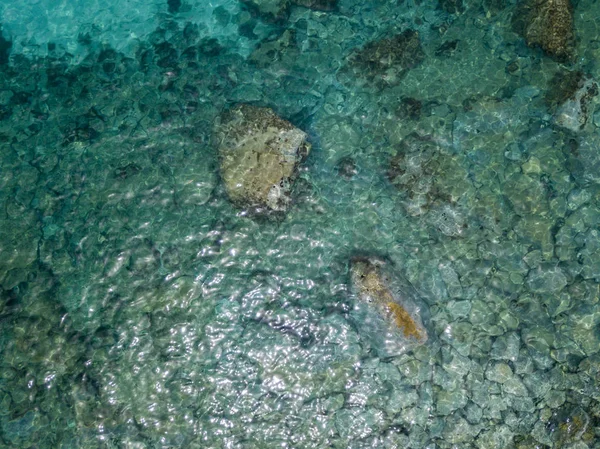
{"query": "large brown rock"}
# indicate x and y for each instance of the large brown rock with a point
(547, 24)
(259, 156)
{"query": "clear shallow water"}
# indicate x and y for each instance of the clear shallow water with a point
(140, 309)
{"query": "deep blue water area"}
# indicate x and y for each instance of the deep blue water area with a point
(454, 142)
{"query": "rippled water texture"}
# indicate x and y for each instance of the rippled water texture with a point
(455, 141)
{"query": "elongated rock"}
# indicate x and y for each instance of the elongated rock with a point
(259, 155)
(394, 302)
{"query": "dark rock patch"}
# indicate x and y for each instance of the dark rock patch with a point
(569, 98)
(273, 50)
(319, 5)
(452, 6)
(5, 46)
(409, 108)
(448, 48)
(346, 167)
(276, 11)
(384, 62)
(174, 6)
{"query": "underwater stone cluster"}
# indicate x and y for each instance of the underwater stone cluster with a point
(139, 308)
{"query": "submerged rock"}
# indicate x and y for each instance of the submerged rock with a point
(278, 11)
(19, 246)
(452, 6)
(569, 424)
(431, 183)
(389, 307)
(409, 109)
(546, 280)
(584, 160)
(562, 87)
(574, 113)
(571, 97)
(282, 48)
(259, 155)
(319, 5)
(384, 62)
(270, 10)
(346, 167)
(547, 24)
(426, 175)
(5, 46)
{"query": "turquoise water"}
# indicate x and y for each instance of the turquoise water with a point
(141, 309)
